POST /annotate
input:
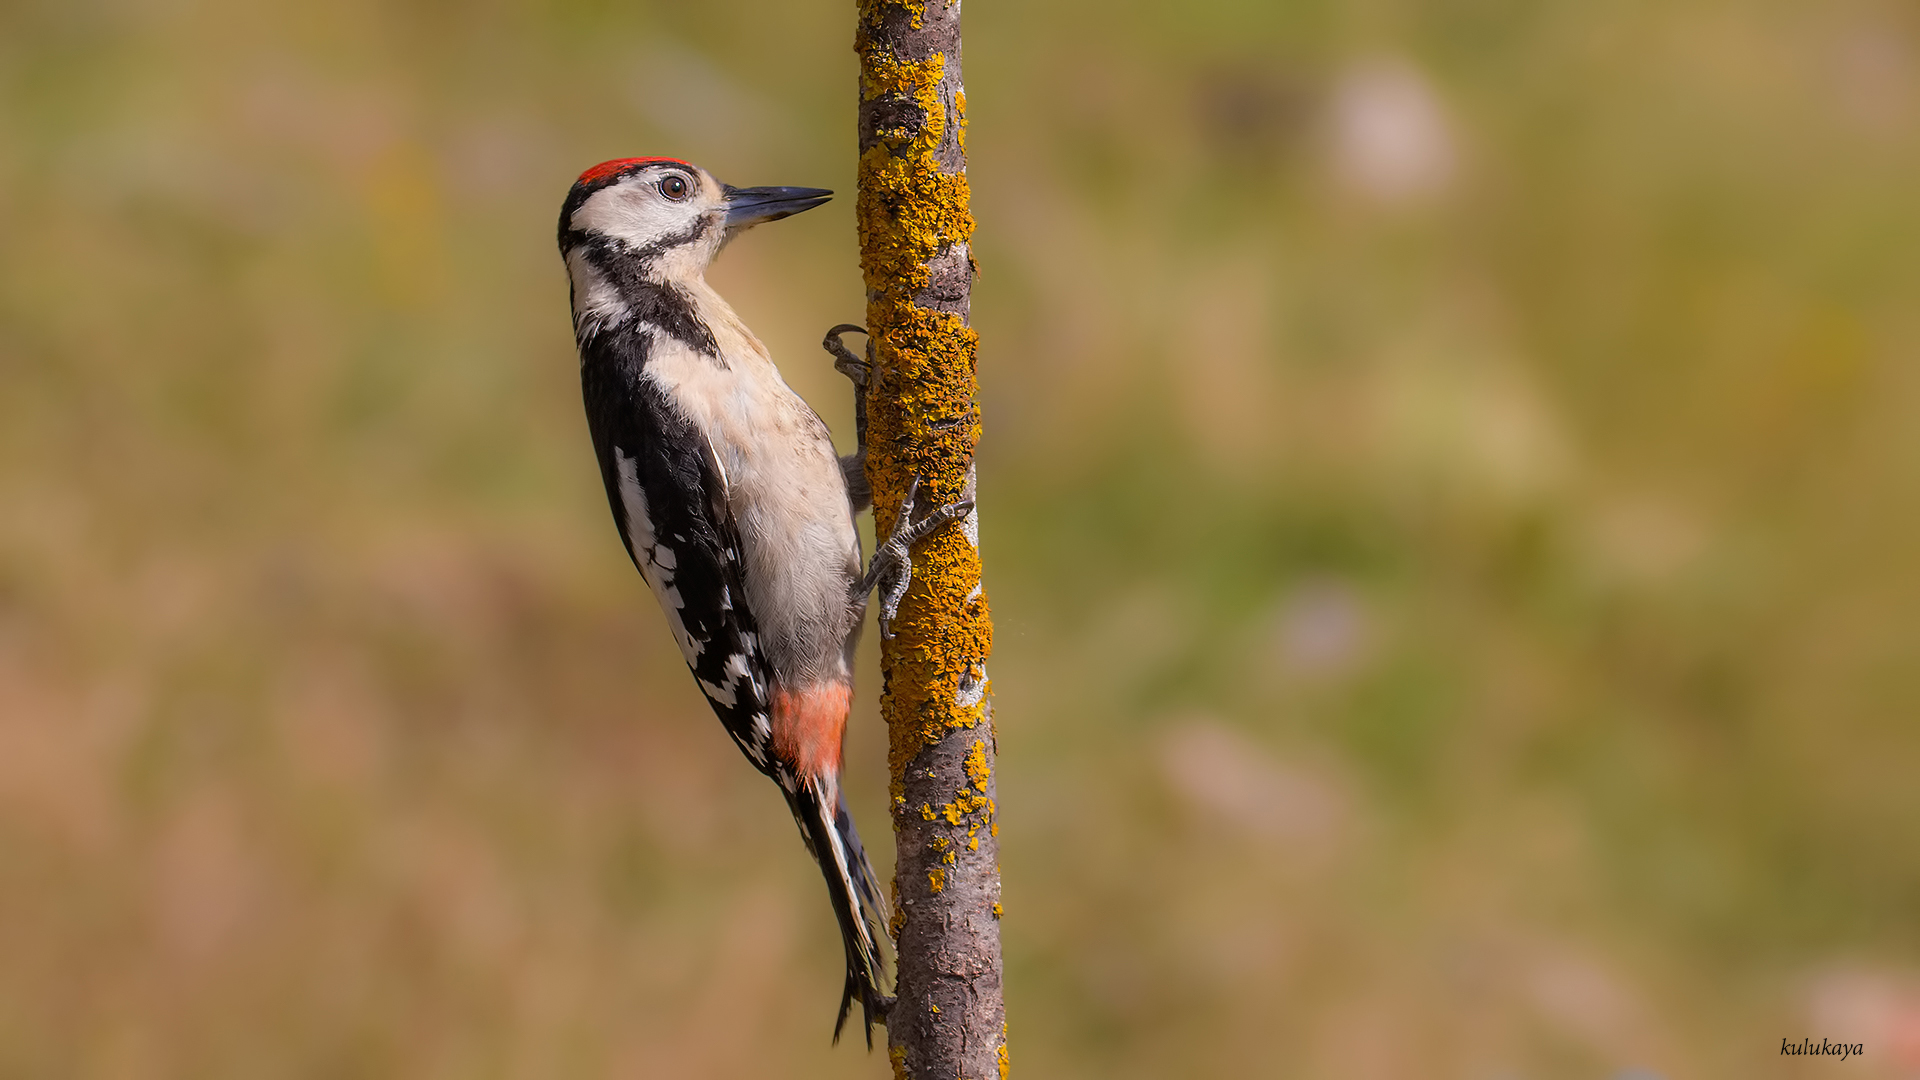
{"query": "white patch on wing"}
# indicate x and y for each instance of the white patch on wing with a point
(762, 736)
(735, 670)
(640, 541)
(751, 643)
(723, 695)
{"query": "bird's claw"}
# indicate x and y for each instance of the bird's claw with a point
(891, 570)
(892, 567)
(853, 467)
(844, 362)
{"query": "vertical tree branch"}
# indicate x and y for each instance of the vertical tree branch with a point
(949, 1021)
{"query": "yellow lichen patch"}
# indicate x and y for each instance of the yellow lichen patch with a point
(1003, 1052)
(977, 768)
(915, 228)
(884, 76)
(909, 207)
(957, 811)
(997, 909)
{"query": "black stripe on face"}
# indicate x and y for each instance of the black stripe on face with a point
(630, 269)
(648, 300)
(692, 234)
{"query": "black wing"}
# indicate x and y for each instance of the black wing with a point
(665, 489)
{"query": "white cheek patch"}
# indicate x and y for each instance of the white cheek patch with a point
(657, 571)
(631, 212)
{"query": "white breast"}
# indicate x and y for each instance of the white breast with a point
(800, 552)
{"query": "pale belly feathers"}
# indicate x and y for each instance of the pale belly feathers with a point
(800, 552)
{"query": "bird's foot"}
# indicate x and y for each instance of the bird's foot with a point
(853, 467)
(844, 362)
(891, 570)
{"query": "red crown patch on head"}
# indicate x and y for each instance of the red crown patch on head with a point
(620, 165)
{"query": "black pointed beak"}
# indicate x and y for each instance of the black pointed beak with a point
(751, 206)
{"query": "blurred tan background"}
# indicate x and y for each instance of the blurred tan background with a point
(1452, 487)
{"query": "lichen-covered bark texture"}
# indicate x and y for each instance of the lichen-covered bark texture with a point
(949, 1021)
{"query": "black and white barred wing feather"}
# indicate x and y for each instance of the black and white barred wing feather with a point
(659, 473)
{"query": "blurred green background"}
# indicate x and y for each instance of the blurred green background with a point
(1450, 507)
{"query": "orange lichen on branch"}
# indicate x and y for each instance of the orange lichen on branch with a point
(961, 808)
(911, 210)
(910, 205)
(978, 770)
(923, 425)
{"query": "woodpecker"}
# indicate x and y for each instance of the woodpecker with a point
(732, 502)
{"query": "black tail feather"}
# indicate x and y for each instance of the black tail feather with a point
(858, 904)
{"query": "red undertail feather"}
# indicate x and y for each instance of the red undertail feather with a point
(808, 724)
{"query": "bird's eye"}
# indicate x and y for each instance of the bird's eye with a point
(674, 187)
